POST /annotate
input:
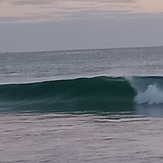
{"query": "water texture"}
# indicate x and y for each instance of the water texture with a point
(101, 105)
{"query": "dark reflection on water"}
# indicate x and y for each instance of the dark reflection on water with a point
(149, 110)
(98, 108)
(68, 107)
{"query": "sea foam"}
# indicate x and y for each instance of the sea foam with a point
(152, 95)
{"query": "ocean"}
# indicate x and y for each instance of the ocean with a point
(99, 105)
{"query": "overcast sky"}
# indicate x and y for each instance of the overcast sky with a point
(41, 25)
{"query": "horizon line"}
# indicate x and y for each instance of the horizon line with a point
(82, 49)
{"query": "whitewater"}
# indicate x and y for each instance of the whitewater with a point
(100, 105)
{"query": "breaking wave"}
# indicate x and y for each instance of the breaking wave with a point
(98, 94)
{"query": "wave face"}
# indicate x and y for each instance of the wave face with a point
(98, 94)
(83, 94)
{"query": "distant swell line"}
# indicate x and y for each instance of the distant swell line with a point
(83, 94)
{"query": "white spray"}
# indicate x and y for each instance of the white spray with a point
(146, 93)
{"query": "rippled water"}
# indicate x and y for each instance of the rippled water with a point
(34, 128)
(80, 138)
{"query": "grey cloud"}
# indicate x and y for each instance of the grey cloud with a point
(47, 2)
(6, 19)
(54, 9)
(9, 19)
(119, 1)
(32, 2)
